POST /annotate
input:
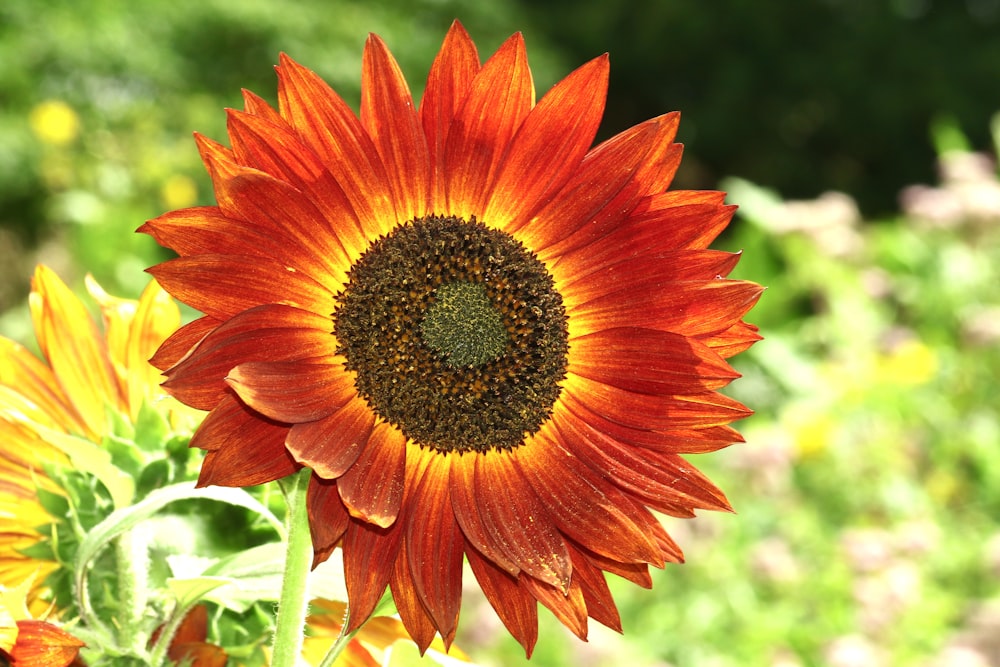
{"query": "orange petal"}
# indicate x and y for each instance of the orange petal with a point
(692, 308)
(518, 521)
(612, 266)
(500, 97)
(205, 230)
(594, 201)
(231, 461)
(77, 353)
(264, 333)
(516, 608)
(369, 554)
(41, 644)
(390, 117)
(569, 607)
(256, 105)
(331, 445)
(411, 611)
(435, 547)
(292, 391)
(663, 481)
(179, 343)
(465, 503)
(372, 488)
(648, 361)
(596, 594)
(448, 84)
(327, 124)
(648, 411)
(583, 506)
(733, 340)
(223, 285)
(328, 518)
(548, 146)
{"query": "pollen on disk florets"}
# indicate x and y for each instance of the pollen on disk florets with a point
(456, 334)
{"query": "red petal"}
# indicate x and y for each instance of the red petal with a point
(326, 123)
(302, 237)
(570, 607)
(292, 391)
(691, 441)
(389, 115)
(276, 149)
(517, 609)
(584, 507)
(372, 488)
(465, 503)
(223, 285)
(257, 106)
(637, 573)
(605, 262)
(733, 340)
(411, 611)
(647, 411)
(663, 481)
(647, 361)
(331, 445)
(180, 343)
(435, 547)
(448, 84)
(328, 517)
(500, 97)
(600, 604)
(243, 448)
(205, 230)
(264, 333)
(548, 146)
(369, 554)
(598, 197)
(692, 308)
(41, 644)
(518, 521)
(670, 210)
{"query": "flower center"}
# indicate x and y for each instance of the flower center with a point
(455, 333)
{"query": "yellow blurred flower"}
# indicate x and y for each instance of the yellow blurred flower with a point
(811, 428)
(369, 646)
(910, 363)
(179, 191)
(54, 408)
(54, 122)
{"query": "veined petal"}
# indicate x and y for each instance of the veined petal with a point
(182, 341)
(516, 607)
(328, 518)
(568, 606)
(596, 594)
(433, 536)
(332, 444)
(500, 97)
(292, 391)
(372, 488)
(78, 355)
(223, 285)
(411, 610)
(390, 117)
(264, 333)
(326, 123)
(369, 554)
(548, 146)
(448, 84)
(658, 412)
(648, 361)
(581, 505)
(38, 393)
(233, 461)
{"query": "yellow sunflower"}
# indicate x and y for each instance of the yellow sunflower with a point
(85, 374)
(487, 339)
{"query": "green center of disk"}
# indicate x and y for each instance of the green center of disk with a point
(462, 325)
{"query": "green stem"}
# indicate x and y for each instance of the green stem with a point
(294, 599)
(132, 549)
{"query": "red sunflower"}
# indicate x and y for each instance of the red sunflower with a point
(488, 340)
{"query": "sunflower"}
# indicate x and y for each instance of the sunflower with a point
(86, 375)
(488, 340)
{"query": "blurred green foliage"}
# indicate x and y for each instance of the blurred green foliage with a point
(869, 488)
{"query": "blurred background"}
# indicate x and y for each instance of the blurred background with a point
(859, 139)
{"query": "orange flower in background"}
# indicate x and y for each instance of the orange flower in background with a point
(28, 642)
(84, 374)
(488, 340)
